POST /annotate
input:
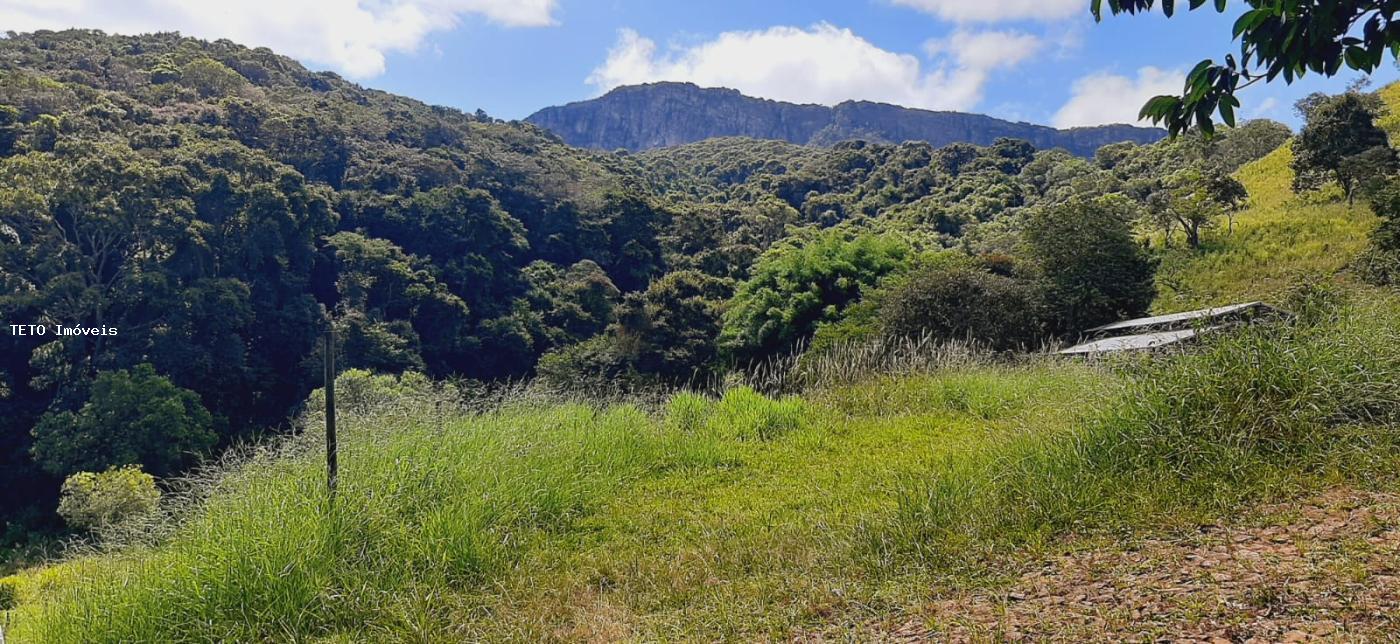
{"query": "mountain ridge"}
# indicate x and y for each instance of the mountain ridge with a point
(667, 113)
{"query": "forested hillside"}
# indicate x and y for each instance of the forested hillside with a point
(737, 389)
(216, 207)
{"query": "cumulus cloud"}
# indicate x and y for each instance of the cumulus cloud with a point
(998, 10)
(352, 36)
(821, 64)
(1102, 98)
(986, 50)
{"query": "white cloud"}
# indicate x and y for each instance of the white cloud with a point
(1264, 109)
(351, 36)
(998, 10)
(822, 64)
(1102, 98)
(986, 50)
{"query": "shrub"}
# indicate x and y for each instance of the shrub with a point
(1097, 271)
(93, 501)
(596, 365)
(964, 303)
(1380, 263)
(360, 391)
(669, 330)
(210, 78)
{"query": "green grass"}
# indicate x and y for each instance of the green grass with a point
(741, 517)
(781, 539)
(420, 511)
(719, 517)
(1277, 240)
(1256, 414)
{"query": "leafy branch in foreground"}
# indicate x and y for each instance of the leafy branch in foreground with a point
(1287, 38)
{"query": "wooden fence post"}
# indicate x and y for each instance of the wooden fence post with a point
(331, 468)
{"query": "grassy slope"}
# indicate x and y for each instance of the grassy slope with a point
(578, 523)
(741, 518)
(601, 524)
(1278, 238)
(784, 539)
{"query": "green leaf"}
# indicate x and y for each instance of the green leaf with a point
(1356, 57)
(1207, 127)
(1249, 20)
(1193, 77)
(1158, 107)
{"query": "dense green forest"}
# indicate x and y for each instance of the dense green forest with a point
(217, 206)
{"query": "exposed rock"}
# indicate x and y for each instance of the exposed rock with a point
(641, 117)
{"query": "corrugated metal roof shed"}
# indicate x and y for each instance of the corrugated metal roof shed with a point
(1176, 318)
(1133, 342)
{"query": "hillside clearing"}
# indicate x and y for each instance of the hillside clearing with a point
(1278, 240)
(742, 517)
(1323, 568)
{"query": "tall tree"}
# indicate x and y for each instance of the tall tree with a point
(130, 417)
(1342, 142)
(1196, 198)
(1098, 272)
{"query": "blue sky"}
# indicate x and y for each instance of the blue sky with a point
(1043, 61)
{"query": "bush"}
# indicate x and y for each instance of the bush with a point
(1097, 271)
(669, 330)
(210, 78)
(964, 303)
(1380, 263)
(93, 501)
(360, 391)
(596, 365)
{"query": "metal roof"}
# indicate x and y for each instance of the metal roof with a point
(1175, 317)
(1133, 342)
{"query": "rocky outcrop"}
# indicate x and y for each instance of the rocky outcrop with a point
(641, 117)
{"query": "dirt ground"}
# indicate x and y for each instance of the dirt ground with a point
(1326, 568)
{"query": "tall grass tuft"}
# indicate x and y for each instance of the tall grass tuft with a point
(853, 361)
(1257, 412)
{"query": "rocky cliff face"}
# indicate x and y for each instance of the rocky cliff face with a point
(641, 117)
